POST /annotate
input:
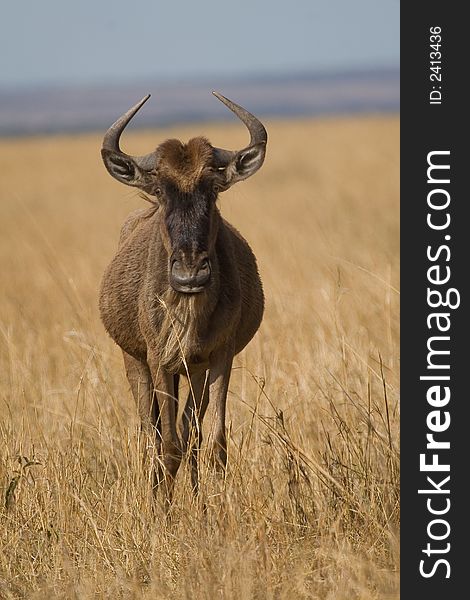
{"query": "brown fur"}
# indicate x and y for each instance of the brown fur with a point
(164, 333)
(137, 303)
(185, 164)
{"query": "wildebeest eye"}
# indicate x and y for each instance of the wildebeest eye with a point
(158, 192)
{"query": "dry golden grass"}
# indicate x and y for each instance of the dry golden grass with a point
(310, 504)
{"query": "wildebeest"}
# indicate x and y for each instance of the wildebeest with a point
(182, 296)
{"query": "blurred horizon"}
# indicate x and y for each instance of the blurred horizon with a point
(77, 66)
(44, 109)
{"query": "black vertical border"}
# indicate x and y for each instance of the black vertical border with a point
(425, 128)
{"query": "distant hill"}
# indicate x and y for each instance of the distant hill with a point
(29, 111)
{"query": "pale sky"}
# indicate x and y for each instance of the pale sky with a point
(103, 41)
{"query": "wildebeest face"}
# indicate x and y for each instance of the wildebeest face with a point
(187, 186)
(186, 178)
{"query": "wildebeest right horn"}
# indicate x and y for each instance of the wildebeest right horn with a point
(113, 135)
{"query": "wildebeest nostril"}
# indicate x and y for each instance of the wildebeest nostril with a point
(178, 269)
(204, 268)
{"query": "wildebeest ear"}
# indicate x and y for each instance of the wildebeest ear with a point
(245, 163)
(122, 168)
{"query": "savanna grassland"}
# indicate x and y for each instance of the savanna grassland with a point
(309, 507)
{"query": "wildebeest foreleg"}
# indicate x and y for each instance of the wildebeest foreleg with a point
(193, 415)
(171, 453)
(140, 380)
(219, 376)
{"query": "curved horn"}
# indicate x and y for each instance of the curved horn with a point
(113, 135)
(257, 131)
(236, 165)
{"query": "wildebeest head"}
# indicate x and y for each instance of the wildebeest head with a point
(186, 179)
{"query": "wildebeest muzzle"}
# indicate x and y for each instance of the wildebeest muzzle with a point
(190, 278)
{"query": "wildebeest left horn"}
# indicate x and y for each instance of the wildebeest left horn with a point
(258, 133)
